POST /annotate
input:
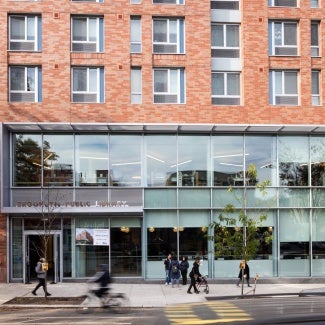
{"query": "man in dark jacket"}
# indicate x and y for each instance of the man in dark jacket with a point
(194, 276)
(103, 278)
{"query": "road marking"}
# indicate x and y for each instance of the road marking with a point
(206, 313)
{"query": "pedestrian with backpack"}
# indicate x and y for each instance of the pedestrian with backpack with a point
(175, 273)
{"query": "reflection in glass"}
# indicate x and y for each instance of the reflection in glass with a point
(260, 152)
(27, 164)
(161, 242)
(228, 160)
(126, 255)
(193, 160)
(58, 160)
(193, 242)
(317, 155)
(92, 160)
(318, 230)
(161, 160)
(125, 160)
(293, 161)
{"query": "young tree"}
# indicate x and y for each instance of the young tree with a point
(235, 233)
(46, 225)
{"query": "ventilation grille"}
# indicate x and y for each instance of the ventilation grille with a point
(22, 46)
(22, 97)
(83, 47)
(84, 98)
(172, 99)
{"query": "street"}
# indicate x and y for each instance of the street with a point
(266, 310)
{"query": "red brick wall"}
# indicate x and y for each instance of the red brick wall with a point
(56, 61)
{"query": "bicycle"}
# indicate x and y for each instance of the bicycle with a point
(106, 299)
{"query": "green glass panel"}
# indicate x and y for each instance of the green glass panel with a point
(194, 198)
(160, 198)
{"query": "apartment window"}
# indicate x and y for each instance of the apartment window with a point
(314, 38)
(135, 34)
(135, 2)
(25, 84)
(283, 38)
(87, 85)
(173, 2)
(168, 35)
(283, 3)
(25, 33)
(225, 4)
(315, 87)
(169, 86)
(314, 3)
(283, 87)
(226, 88)
(87, 34)
(225, 41)
(136, 85)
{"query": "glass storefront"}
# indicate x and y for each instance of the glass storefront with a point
(177, 184)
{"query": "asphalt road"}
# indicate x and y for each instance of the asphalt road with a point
(252, 311)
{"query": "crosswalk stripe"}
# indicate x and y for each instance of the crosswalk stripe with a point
(225, 312)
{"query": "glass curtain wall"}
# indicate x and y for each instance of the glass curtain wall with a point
(161, 160)
(91, 160)
(27, 162)
(193, 160)
(57, 160)
(185, 179)
(125, 160)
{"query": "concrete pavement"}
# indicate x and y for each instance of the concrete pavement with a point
(159, 295)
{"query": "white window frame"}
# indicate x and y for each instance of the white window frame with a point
(26, 94)
(225, 50)
(283, 3)
(31, 41)
(135, 34)
(88, 45)
(282, 49)
(225, 4)
(226, 98)
(174, 92)
(315, 79)
(314, 48)
(161, 47)
(94, 91)
(279, 81)
(136, 85)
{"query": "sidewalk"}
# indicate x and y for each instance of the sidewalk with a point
(159, 295)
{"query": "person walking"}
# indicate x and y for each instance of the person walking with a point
(243, 271)
(183, 266)
(41, 276)
(167, 268)
(194, 275)
(175, 273)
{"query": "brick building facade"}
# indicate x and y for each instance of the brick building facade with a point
(261, 29)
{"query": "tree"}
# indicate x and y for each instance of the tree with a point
(47, 224)
(236, 234)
